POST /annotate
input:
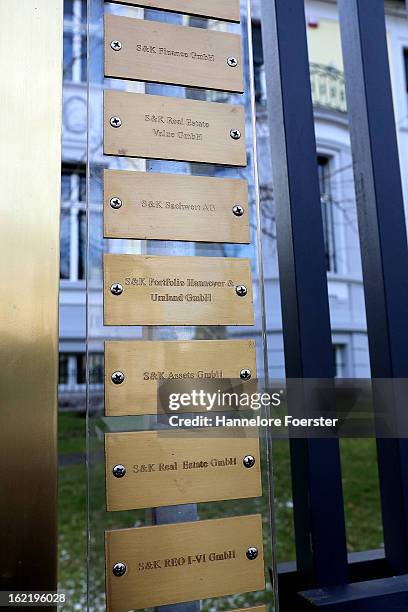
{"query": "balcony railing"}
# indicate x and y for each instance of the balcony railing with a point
(328, 88)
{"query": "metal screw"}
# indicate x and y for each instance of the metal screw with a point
(116, 122)
(245, 374)
(241, 290)
(248, 461)
(118, 378)
(235, 134)
(119, 569)
(238, 210)
(232, 62)
(119, 471)
(116, 289)
(115, 202)
(252, 553)
(116, 45)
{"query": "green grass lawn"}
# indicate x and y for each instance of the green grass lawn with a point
(361, 505)
(72, 511)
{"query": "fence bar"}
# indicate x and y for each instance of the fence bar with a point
(383, 238)
(381, 595)
(316, 472)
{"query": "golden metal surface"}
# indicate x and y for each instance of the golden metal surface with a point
(30, 158)
(257, 609)
(174, 54)
(227, 10)
(169, 290)
(158, 206)
(145, 363)
(193, 561)
(169, 469)
(163, 127)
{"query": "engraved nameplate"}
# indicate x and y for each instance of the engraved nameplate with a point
(178, 55)
(163, 127)
(226, 10)
(257, 609)
(168, 564)
(172, 468)
(157, 206)
(144, 364)
(160, 290)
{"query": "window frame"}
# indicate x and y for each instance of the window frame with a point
(340, 160)
(328, 217)
(76, 207)
(341, 347)
(75, 29)
(75, 366)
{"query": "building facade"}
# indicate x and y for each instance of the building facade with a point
(73, 205)
(347, 307)
(333, 158)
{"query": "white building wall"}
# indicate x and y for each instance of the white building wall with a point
(346, 295)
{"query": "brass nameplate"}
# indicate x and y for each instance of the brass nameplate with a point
(167, 564)
(162, 127)
(144, 364)
(152, 206)
(161, 290)
(168, 469)
(226, 10)
(178, 55)
(257, 609)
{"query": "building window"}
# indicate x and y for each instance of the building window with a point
(258, 62)
(63, 376)
(73, 223)
(327, 213)
(72, 370)
(339, 360)
(406, 68)
(75, 41)
(96, 368)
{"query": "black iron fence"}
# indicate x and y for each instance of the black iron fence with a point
(324, 576)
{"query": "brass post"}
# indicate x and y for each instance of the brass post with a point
(31, 51)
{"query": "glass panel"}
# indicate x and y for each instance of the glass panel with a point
(96, 368)
(95, 252)
(97, 333)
